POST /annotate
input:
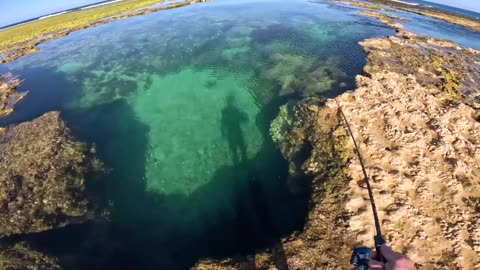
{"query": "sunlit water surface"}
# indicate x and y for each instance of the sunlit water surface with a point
(178, 104)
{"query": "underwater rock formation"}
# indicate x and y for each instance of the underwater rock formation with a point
(21, 257)
(387, 19)
(8, 93)
(319, 81)
(43, 173)
(314, 143)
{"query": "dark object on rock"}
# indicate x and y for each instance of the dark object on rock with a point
(43, 174)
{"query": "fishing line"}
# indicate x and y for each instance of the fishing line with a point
(378, 238)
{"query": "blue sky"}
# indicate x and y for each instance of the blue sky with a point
(13, 11)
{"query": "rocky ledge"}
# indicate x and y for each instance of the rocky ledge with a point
(43, 173)
(8, 93)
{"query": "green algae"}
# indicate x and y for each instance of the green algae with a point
(451, 83)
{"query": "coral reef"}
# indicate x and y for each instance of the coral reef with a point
(43, 173)
(8, 93)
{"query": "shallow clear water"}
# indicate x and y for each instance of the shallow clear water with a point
(179, 105)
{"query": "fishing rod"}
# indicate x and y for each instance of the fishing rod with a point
(361, 255)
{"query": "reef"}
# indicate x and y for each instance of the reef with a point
(416, 117)
(388, 5)
(387, 19)
(8, 93)
(43, 173)
(20, 257)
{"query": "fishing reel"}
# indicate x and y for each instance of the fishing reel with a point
(361, 257)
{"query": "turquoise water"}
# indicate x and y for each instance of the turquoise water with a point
(179, 105)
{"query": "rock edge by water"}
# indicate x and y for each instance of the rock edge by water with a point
(8, 93)
(43, 173)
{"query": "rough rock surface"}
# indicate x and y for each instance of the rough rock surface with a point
(422, 150)
(387, 19)
(42, 176)
(21, 257)
(8, 93)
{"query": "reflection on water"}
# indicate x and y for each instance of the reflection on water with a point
(179, 104)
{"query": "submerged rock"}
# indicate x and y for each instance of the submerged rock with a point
(315, 144)
(43, 173)
(8, 93)
(21, 257)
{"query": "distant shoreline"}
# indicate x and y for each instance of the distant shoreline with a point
(57, 13)
(22, 39)
(407, 3)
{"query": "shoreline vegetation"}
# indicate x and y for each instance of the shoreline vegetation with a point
(21, 40)
(422, 153)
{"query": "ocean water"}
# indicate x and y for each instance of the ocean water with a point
(179, 105)
(452, 9)
(427, 26)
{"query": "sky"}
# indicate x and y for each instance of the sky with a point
(12, 11)
(473, 5)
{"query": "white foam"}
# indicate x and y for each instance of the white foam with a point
(52, 15)
(102, 4)
(407, 3)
